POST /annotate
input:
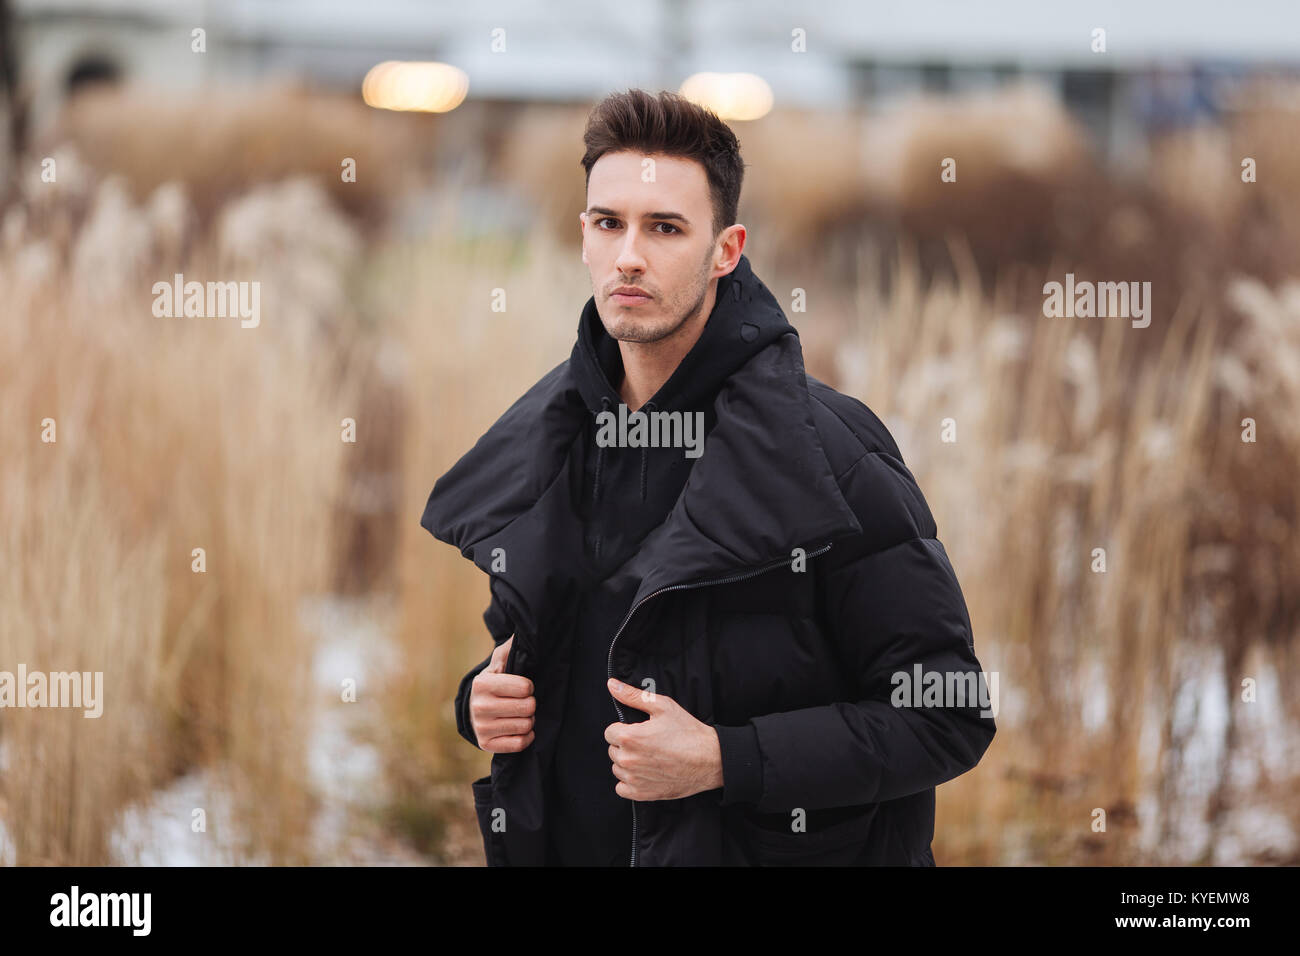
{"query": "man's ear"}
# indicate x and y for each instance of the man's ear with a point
(731, 242)
(582, 218)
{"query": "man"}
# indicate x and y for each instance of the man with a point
(750, 562)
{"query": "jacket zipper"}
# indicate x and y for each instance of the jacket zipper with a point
(609, 667)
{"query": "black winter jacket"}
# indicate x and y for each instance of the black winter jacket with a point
(795, 578)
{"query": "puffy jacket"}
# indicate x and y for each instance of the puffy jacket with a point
(797, 576)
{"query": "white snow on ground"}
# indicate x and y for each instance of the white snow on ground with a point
(1248, 829)
(352, 642)
(158, 832)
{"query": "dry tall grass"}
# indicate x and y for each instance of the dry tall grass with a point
(172, 434)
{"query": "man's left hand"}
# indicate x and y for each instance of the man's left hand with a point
(670, 756)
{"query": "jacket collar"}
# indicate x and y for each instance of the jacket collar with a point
(762, 487)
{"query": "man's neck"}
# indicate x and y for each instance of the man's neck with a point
(647, 365)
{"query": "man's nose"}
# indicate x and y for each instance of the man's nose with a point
(629, 255)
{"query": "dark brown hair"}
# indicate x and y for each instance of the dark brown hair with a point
(669, 123)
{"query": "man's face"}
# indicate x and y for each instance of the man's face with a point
(655, 236)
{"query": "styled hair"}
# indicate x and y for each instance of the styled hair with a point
(670, 123)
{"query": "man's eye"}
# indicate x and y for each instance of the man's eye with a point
(605, 219)
(669, 225)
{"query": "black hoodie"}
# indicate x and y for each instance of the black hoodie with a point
(625, 493)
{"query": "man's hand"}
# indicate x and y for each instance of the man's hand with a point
(669, 756)
(501, 706)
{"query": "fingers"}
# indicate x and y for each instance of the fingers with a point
(501, 705)
(501, 685)
(639, 698)
(503, 734)
(619, 734)
(501, 711)
(497, 664)
(486, 708)
(506, 744)
(512, 727)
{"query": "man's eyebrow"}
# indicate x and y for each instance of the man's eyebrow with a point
(606, 211)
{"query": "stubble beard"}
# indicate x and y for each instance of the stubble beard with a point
(655, 332)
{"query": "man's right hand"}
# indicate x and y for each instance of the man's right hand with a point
(501, 706)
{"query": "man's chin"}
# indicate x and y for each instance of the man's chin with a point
(622, 330)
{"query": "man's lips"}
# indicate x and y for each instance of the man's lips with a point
(629, 295)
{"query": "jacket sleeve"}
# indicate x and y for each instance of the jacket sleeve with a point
(893, 611)
(500, 627)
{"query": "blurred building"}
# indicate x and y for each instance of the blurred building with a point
(1164, 62)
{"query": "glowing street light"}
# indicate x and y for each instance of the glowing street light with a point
(733, 96)
(416, 87)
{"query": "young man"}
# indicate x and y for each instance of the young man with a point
(679, 507)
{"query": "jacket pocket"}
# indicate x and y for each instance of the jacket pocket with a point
(837, 844)
(494, 850)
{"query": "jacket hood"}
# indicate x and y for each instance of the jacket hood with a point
(761, 488)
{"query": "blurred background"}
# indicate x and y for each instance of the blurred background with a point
(381, 167)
